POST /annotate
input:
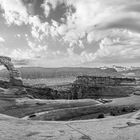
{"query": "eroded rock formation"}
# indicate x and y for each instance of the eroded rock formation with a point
(15, 78)
(96, 81)
(97, 87)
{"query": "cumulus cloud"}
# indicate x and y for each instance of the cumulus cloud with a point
(118, 46)
(14, 11)
(40, 30)
(88, 17)
(91, 16)
(37, 48)
(19, 54)
(113, 24)
(29, 54)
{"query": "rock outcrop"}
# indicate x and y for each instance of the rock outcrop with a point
(97, 81)
(15, 77)
(98, 87)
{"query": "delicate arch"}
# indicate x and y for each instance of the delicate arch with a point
(15, 77)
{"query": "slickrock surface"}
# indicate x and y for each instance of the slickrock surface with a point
(113, 128)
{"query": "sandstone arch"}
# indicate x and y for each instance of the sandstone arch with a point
(15, 77)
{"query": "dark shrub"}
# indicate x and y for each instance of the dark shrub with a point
(31, 116)
(100, 116)
(124, 110)
(112, 113)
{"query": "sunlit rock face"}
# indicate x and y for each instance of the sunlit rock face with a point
(15, 77)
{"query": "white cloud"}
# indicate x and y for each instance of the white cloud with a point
(122, 46)
(112, 23)
(14, 11)
(119, 46)
(37, 48)
(40, 30)
(2, 39)
(88, 14)
(92, 16)
(33, 51)
(18, 35)
(19, 54)
(87, 57)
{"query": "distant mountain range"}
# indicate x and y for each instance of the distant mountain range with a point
(121, 68)
(39, 72)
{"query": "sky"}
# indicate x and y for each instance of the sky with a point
(66, 33)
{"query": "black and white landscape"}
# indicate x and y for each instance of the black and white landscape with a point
(69, 70)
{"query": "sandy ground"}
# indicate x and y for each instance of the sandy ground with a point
(124, 127)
